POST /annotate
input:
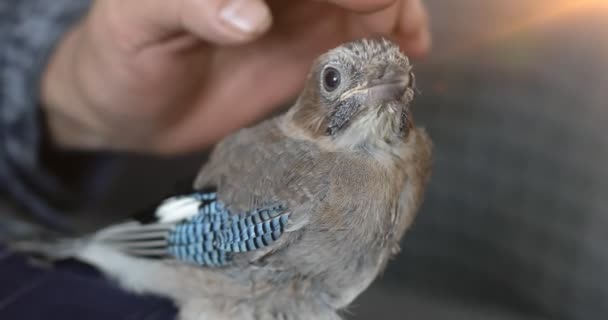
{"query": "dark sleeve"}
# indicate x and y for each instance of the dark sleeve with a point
(29, 30)
(70, 290)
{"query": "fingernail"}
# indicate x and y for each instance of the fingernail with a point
(247, 16)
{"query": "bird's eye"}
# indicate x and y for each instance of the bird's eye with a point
(331, 79)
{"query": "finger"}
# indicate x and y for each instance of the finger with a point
(380, 22)
(413, 28)
(415, 45)
(412, 18)
(226, 21)
(363, 6)
(216, 21)
(404, 21)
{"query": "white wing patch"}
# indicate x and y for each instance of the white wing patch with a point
(175, 209)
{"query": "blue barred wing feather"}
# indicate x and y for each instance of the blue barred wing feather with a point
(198, 228)
(212, 236)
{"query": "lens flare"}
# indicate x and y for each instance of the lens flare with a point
(549, 14)
(532, 16)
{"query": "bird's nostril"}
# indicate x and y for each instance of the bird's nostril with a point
(386, 74)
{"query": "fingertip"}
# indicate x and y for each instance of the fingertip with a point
(417, 45)
(227, 22)
(413, 17)
(380, 22)
(246, 19)
(413, 28)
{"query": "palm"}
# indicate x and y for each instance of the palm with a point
(183, 95)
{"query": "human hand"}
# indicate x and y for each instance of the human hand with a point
(173, 76)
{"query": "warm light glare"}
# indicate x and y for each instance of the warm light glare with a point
(531, 17)
(547, 14)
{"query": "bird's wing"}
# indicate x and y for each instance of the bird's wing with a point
(198, 228)
(257, 187)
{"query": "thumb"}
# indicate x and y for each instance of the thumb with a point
(217, 21)
(226, 21)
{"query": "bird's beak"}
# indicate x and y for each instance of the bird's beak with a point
(391, 86)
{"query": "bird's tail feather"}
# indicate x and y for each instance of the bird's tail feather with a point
(55, 249)
(135, 238)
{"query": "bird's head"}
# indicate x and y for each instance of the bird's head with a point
(357, 93)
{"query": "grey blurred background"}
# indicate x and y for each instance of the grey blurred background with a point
(515, 97)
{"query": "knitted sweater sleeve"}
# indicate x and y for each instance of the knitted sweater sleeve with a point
(29, 32)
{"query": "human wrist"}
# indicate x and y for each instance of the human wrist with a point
(71, 120)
